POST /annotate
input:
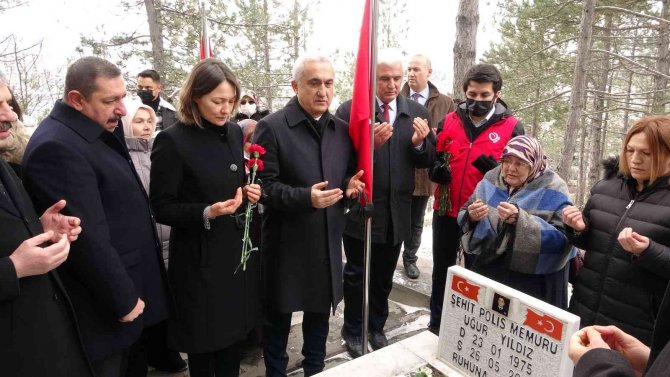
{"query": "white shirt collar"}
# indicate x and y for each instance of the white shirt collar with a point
(424, 94)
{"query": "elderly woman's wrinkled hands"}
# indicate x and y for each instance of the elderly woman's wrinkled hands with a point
(508, 212)
(478, 210)
(572, 217)
(633, 242)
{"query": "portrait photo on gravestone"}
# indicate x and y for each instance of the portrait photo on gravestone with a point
(489, 329)
(500, 304)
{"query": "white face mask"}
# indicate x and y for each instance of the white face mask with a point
(248, 109)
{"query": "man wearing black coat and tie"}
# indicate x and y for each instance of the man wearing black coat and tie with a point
(403, 141)
(38, 328)
(308, 169)
(115, 275)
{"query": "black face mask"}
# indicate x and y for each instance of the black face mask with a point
(479, 108)
(146, 96)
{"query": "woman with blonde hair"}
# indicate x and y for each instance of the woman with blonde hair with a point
(625, 230)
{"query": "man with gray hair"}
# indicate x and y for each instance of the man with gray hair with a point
(401, 145)
(309, 168)
(38, 328)
(115, 274)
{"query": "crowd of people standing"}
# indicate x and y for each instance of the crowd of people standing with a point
(135, 257)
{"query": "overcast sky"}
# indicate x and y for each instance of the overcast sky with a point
(336, 26)
(432, 30)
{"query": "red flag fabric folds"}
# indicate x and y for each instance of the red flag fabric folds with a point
(359, 119)
(205, 47)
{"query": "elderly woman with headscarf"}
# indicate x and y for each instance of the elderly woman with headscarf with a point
(512, 223)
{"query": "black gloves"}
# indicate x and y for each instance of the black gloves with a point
(484, 163)
(440, 172)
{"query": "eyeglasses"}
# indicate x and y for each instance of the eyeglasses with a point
(517, 164)
(244, 102)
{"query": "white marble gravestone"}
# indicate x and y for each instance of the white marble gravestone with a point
(490, 329)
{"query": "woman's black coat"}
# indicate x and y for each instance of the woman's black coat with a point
(616, 287)
(192, 168)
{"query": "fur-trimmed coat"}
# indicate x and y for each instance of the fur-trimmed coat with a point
(614, 286)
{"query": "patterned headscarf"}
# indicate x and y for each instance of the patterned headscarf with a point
(529, 150)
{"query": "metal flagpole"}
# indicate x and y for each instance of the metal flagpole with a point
(368, 219)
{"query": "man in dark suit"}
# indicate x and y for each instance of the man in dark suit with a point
(38, 329)
(307, 168)
(115, 275)
(401, 145)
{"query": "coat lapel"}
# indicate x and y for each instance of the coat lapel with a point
(15, 202)
(379, 113)
(328, 149)
(238, 154)
(7, 201)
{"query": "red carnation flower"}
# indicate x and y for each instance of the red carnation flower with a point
(256, 150)
(444, 144)
(258, 162)
(251, 162)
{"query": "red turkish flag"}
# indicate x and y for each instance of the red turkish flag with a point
(465, 288)
(361, 105)
(544, 324)
(205, 46)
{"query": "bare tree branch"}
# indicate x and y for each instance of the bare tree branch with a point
(532, 54)
(623, 10)
(227, 24)
(10, 6)
(544, 100)
(626, 94)
(550, 16)
(3, 55)
(630, 61)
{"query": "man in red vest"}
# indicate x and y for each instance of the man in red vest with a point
(470, 144)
